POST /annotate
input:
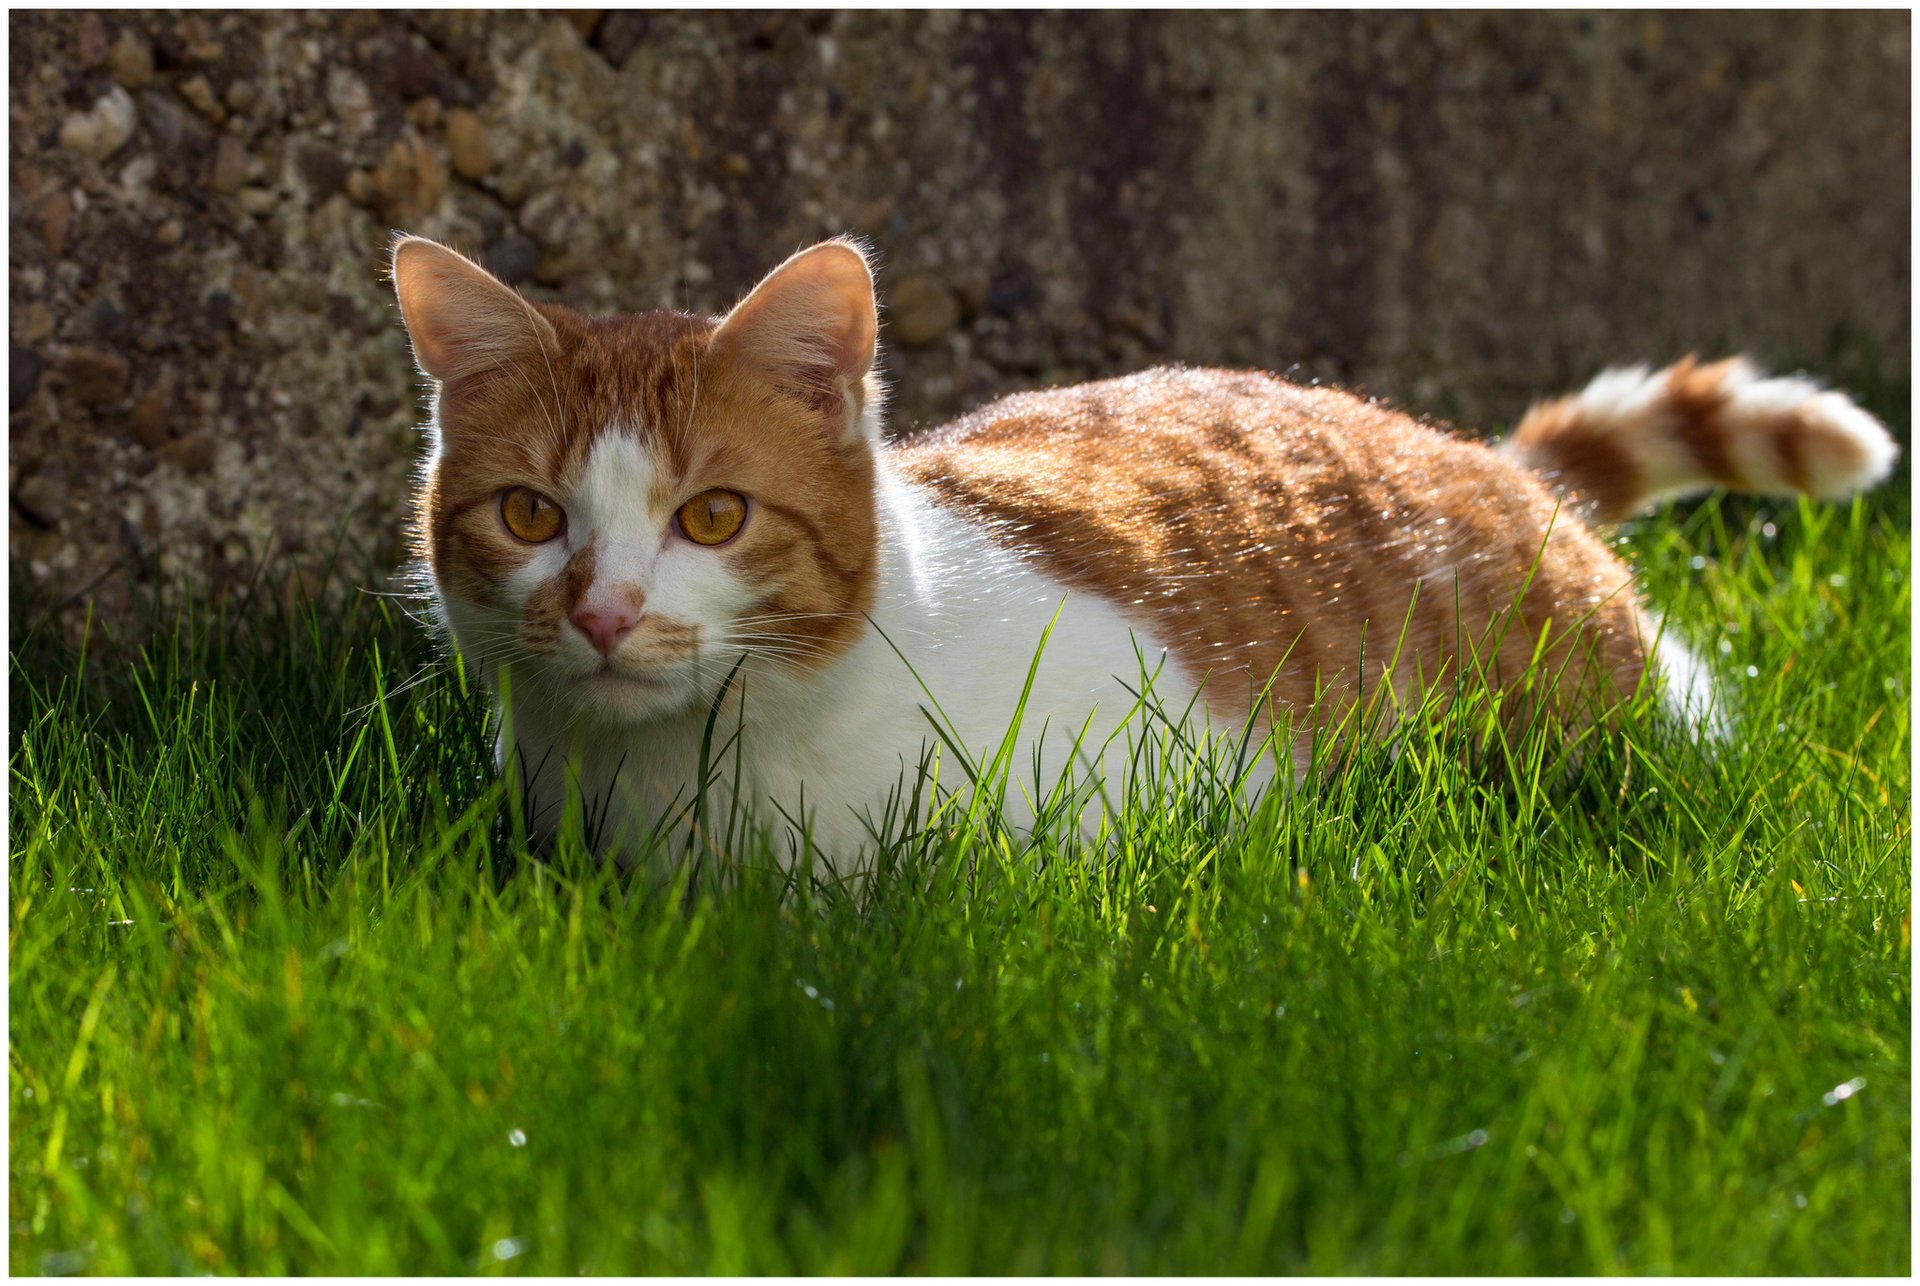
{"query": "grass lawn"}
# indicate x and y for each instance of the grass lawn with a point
(287, 995)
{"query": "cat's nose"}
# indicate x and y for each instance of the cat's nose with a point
(605, 627)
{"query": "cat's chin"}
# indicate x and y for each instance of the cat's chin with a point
(613, 697)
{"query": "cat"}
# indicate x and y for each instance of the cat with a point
(642, 528)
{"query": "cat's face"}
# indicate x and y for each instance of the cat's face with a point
(620, 509)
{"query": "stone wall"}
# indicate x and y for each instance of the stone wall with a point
(1455, 211)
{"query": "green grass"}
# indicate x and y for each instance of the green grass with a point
(288, 995)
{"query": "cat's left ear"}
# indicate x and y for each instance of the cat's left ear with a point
(811, 326)
(462, 319)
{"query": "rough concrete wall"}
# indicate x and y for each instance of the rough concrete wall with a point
(1456, 211)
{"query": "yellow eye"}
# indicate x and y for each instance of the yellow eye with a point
(713, 517)
(531, 516)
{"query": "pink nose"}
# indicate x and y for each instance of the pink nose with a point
(605, 627)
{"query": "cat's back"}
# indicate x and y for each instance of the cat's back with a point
(1199, 433)
(1177, 460)
(1238, 515)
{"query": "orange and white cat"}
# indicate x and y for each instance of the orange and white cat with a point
(631, 522)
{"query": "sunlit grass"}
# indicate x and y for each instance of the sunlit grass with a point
(289, 992)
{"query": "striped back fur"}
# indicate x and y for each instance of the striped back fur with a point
(1306, 538)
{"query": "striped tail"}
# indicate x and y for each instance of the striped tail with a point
(1634, 436)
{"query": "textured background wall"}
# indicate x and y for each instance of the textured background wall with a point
(1457, 212)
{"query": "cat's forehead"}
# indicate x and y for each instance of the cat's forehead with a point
(630, 379)
(621, 365)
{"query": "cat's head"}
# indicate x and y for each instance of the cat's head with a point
(620, 508)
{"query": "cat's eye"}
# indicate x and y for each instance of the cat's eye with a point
(713, 517)
(531, 516)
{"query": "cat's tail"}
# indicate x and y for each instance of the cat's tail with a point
(1634, 436)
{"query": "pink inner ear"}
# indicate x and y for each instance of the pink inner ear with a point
(819, 390)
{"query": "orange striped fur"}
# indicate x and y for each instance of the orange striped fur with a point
(1261, 528)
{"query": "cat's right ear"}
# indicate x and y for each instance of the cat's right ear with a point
(811, 325)
(461, 318)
